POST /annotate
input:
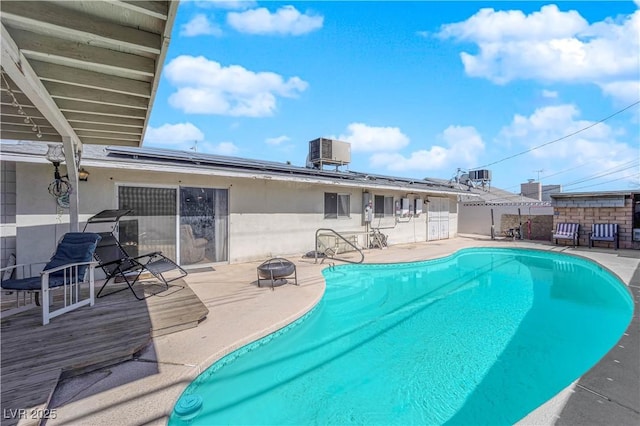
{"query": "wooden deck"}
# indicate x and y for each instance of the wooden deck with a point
(35, 357)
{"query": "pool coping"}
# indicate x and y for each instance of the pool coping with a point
(136, 393)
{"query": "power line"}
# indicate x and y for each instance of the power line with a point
(606, 172)
(602, 183)
(561, 138)
(600, 175)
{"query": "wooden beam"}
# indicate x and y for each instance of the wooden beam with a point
(17, 67)
(80, 117)
(19, 119)
(108, 136)
(98, 59)
(156, 9)
(90, 79)
(100, 141)
(23, 127)
(21, 98)
(70, 150)
(107, 128)
(66, 91)
(65, 23)
(28, 136)
(88, 107)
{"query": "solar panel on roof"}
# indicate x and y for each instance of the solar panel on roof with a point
(268, 166)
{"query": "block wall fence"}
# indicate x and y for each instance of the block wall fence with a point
(587, 211)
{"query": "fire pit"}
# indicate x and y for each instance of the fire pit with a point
(276, 269)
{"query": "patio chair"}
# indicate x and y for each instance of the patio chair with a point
(67, 268)
(115, 262)
(566, 231)
(604, 232)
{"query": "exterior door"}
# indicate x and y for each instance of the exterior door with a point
(438, 219)
(151, 226)
(204, 223)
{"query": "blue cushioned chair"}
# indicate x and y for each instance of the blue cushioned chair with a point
(68, 268)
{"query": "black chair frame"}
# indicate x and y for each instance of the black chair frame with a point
(114, 260)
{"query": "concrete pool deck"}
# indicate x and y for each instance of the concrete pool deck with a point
(143, 391)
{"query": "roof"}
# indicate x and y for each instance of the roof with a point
(170, 161)
(82, 69)
(490, 195)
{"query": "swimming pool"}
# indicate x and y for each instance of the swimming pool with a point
(480, 337)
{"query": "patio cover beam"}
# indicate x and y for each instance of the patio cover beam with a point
(19, 70)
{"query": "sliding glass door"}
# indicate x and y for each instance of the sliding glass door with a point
(151, 226)
(204, 223)
(199, 218)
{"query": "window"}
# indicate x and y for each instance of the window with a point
(383, 206)
(336, 205)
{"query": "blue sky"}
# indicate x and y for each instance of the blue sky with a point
(418, 88)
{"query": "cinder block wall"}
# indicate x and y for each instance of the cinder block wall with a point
(587, 211)
(541, 226)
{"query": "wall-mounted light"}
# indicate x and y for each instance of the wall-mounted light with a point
(60, 185)
(83, 175)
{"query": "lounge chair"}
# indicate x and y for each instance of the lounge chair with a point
(67, 268)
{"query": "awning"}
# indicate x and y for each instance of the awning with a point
(84, 69)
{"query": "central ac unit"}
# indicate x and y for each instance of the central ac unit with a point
(329, 151)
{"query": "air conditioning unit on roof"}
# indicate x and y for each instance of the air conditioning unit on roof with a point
(329, 151)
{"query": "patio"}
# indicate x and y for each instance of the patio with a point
(36, 357)
(143, 389)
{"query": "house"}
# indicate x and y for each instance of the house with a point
(587, 208)
(204, 209)
(80, 72)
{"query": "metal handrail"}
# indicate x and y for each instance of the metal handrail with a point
(343, 239)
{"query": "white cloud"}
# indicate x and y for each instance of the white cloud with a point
(549, 94)
(286, 20)
(462, 147)
(598, 145)
(175, 136)
(550, 45)
(489, 25)
(206, 87)
(224, 148)
(200, 25)
(626, 92)
(363, 137)
(278, 140)
(184, 137)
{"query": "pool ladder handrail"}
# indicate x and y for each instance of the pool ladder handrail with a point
(343, 239)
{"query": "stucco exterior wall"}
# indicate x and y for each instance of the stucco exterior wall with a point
(589, 210)
(8, 211)
(266, 217)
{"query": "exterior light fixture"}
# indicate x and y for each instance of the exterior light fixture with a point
(55, 154)
(83, 175)
(60, 185)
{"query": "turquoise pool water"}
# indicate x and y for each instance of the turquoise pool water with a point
(480, 337)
